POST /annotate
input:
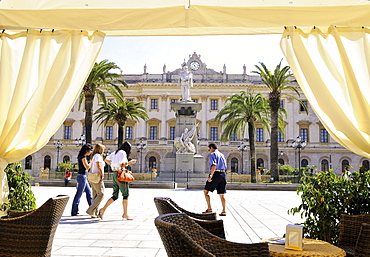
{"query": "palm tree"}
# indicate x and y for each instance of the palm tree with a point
(240, 111)
(276, 82)
(119, 111)
(100, 78)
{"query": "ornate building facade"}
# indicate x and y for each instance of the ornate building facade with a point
(211, 88)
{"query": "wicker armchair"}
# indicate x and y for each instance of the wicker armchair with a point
(32, 234)
(350, 228)
(167, 205)
(182, 236)
(205, 220)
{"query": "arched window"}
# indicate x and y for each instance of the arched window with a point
(66, 159)
(324, 165)
(152, 163)
(234, 165)
(366, 164)
(345, 164)
(281, 161)
(28, 162)
(260, 163)
(304, 163)
(47, 161)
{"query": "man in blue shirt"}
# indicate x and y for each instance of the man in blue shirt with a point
(216, 178)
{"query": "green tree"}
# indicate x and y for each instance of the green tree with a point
(277, 81)
(100, 78)
(239, 112)
(119, 111)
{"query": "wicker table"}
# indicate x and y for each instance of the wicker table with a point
(311, 248)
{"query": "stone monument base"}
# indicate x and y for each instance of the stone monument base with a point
(184, 162)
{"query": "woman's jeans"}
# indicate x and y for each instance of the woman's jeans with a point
(82, 186)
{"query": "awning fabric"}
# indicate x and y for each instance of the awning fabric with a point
(182, 17)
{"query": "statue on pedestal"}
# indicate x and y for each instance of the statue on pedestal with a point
(184, 143)
(185, 82)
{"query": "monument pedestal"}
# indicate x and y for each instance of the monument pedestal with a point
(185, 160)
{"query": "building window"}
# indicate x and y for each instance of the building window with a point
(128, 133)
(234, 165)
(66, 159)
(280, 137)
(281, 161)
(214, 133)
(345, 165)
(152, 163)
(324, 136)
(259, 135)
(172, 133)
(324, 165)
(260, 163)
(304, 134)
(67, 132)
(234, 136)
(304, 163)
(173, 100)
(130, 100)
(366, 164)
(47, 161)
(28, 163)
(154, 104)
(195, 100)
(303, 106)
(281, 103)
(109, 133)
(214, 104)
(153, 133)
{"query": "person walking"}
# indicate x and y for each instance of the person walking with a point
(67, 176)
(81, 178)
(216, 178)
(118, 161)
(97, 166)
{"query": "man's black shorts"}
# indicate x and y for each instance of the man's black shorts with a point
(218, 181)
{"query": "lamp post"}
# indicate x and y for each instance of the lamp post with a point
(80, 141)
(242, 147)
(299, 144)
(59, 146)
(141, 146)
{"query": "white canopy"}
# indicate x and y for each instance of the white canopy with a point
(182, 17)
(48, 47)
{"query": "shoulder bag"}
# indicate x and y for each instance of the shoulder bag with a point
(93, 177)
(124, 176)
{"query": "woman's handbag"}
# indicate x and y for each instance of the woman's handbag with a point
(124, 176)
(93, 177)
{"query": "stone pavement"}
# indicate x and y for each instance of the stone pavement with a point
(251, 216)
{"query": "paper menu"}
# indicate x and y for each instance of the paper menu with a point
(294, 237)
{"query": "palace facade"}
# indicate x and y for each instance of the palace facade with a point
(211, 88)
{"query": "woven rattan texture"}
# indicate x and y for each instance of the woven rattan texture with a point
(350, 226)
(166, 205)
(362, 248)
(32, 234)
(182, 236)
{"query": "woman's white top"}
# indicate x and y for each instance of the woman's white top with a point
(117, 159)
(97, 158)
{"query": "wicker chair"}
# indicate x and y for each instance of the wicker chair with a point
(182, 236)
(363, 242)
(350, 227)
(32, 234)
(167, 205)
(205, 220)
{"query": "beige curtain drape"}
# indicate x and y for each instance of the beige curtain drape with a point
(41, 75)
(333, 68)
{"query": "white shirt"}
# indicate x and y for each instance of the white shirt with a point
(97, 158)
(117, 159)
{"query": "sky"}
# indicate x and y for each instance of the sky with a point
(132, 53)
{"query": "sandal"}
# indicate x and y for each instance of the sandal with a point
(222, 213)
(207, 211)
